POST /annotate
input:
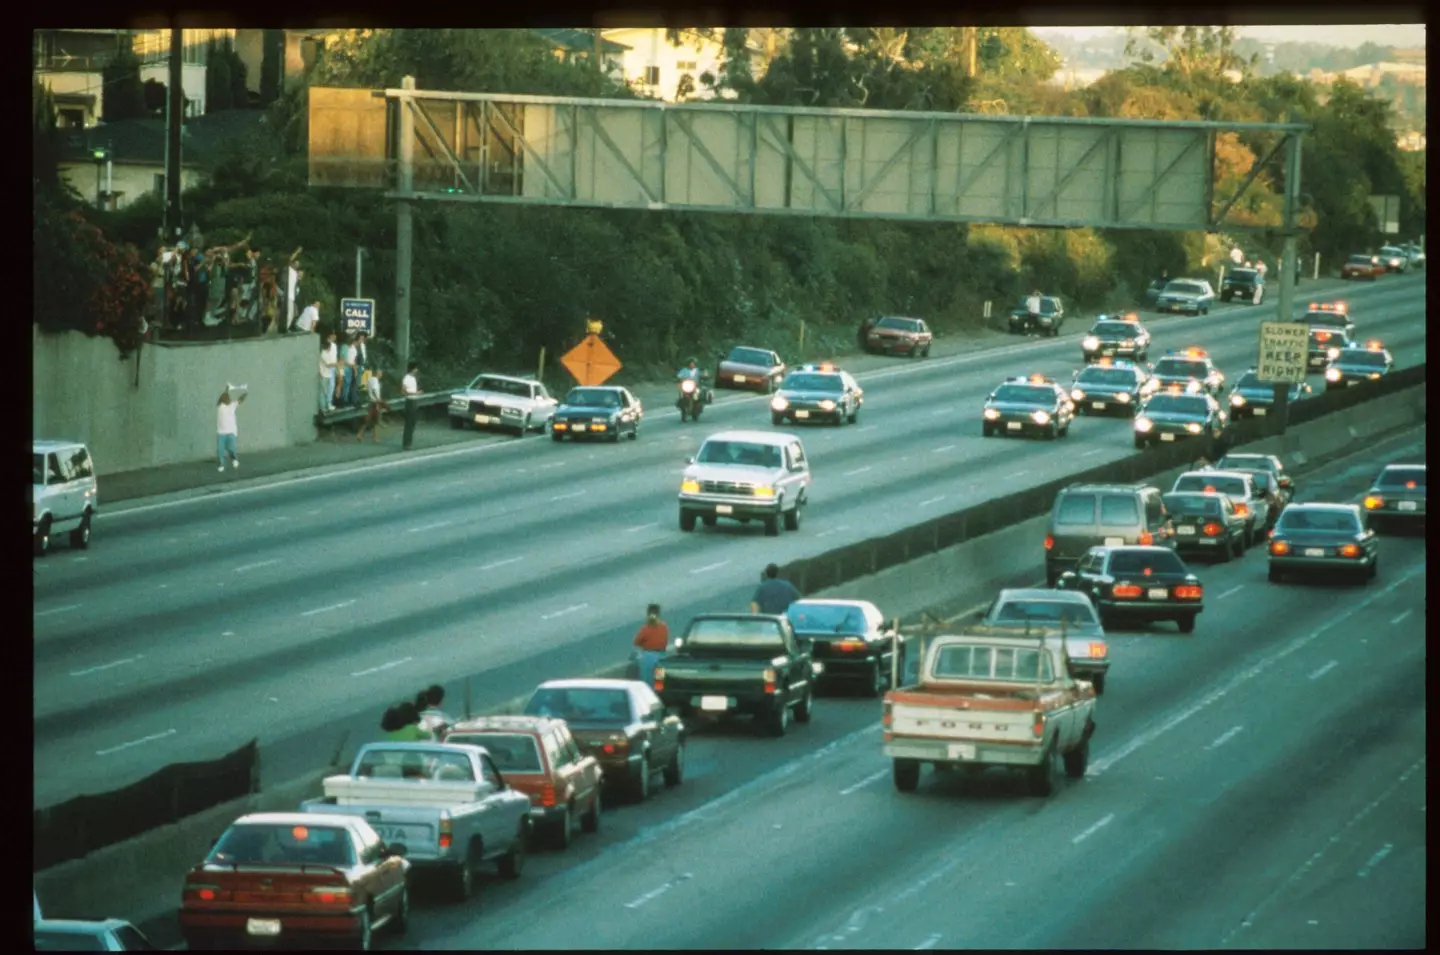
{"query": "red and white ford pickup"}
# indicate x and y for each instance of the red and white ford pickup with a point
(988, 700)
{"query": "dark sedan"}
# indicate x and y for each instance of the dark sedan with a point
(750, 369)
(1048, 322)
(1243, 285)
(852, 640)
(1176, 417)
(817, 393)
(1110, 388)
(1138, 582)
(1206, 524)
(1358, 364)
(598, 412)
(1253, 398)
(1116, 338)
(1397, 496)
(1328, 538)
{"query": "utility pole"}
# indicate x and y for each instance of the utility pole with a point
(1287, 260)
(175, 117)
(403, 225)
(359, 255)
(971, 45)
(599, 51)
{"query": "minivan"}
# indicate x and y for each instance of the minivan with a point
(63, 493)
(1094, 515)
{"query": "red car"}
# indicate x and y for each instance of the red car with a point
(750, 369)
(894, 335)
(1360, 266)
(289, 879)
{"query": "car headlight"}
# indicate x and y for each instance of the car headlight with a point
(1123, 397)
(764, 490)
(1041, 417)
(1128, 343)
(1089, 343)
(827, 405)
(1237, 400)
(1078, 395)
(1332, 353)
(689, 486)
(1332, 374)
(991, 414)
(1143, 424)
(458, 402)
(513, 412)
(1193, 428)
(779, 403)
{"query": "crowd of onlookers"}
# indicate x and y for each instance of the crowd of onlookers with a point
(194, 287)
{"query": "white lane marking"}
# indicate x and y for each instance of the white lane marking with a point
(384, 666)
(1093, 829)
(566, 497)
(430, 527)
(1092, 452)
(1150, 735)
(500, 563)
(1015, 475)
(107, 666)
(701, 570)
(552, 464)
(933, 500)
(1401, 617)
(948, 447)
(65, 609)
(868, 427)
(1374, 860)
(856, 471)
(631, 530)
(135, 742)
(930, 942)
(864, 782)
(1236, 589)
(561, 613)
(1309, 863)
(263, 563)
(311, 613)
(81, 560)
(656, 893)
(1225, 737)
(1324, 670)
(939, 411)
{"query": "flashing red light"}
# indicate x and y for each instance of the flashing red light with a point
(1147, 539)
(1350, 550)
(1049, 542)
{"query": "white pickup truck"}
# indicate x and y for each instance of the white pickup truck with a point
(504, 402)
(447, 804)
(985, 700)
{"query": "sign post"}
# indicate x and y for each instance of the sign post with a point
(357, 315)
(1284, 350)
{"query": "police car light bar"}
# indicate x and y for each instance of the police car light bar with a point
(1374, 345)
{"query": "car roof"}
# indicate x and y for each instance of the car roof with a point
(1132, 548)
(1040, 593)
(754, 437)
(1405, 467)
(45, 446)
(1249, 456)
(588, 683)
(297, 819)
(825, 602)
(524, 379)
(80, 926)
(1319, 506)
(1103, 487)
(908, 318)
(519, 723)
(768, 351)
(598, 387)
(1215, 472)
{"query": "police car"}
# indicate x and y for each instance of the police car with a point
(1330, 315)
(1253, 398)
(1110, 386)
(1357, 363)
(1325, 346)
(1116, 336)
(817, 392)
(1030, 406)
(1191, 369)
(1177, 413)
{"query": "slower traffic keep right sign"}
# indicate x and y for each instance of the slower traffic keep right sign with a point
(1284, 349)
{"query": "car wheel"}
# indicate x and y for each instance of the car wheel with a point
(1052, 432)
(1065, 431)
(556, 436)
(687, 520)
(1374, 570)
(1186, 623)
(1139, 444)
(563, 832)
(987, 431)
(463, 881)
(1098, 680)
(854, 415)
(1078, 760)
(879, 682)
(907, 774)
(1040, 779)
(42, 538)
(1227, 553)
(365, 937)
(926, 352)
(777, 420)
(80, 536)
(792, 517)
(590, 822)
(772, 525)
(780, 720)
(709, 520)
(512, 863)
(635, 432)
(1274, 574)
(640, 786)
(524, 428)
(675, 772)
(806, 709)
(401, 922)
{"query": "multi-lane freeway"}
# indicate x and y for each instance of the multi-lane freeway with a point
(298, 610)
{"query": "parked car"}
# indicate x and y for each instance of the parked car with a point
(504, 402)
(895, 335)
(1192, 296)
(1048, 322)
(64, 493)
(105, 935)
(1362, 266)
(1243, 285)
(746, 476)
(608, 412)
(750, 369)
(1153, 290)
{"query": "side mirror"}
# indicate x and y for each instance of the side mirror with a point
(1286, 482)
(690, 460)
(396, 850)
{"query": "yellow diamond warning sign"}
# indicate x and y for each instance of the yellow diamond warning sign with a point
(590, 361)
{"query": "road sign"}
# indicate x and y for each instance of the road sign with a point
(590, 361)
(357, 315)
(1284, 350)
(1387, 213)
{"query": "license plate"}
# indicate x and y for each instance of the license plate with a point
(483, 419)
(739, 379)
(1107, 351)
(1185, 531)
(1157, 593)
(724, 509)
(1015, 425)
(1167, 437)
(1314, 552)
(802, 414)
(962, 751)
(262, 926)
(579, 427)
(397, 834)
(1114, 542)
(1098, 405)
(714, 703)
(1262, 411)
(1407, 505)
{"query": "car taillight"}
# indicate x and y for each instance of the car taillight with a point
(1373, 501)
(1279, 548)
(1212, 529)
(1124, 591)
(447, 832)
(1242, 510)
(850, 645)
(1350, 550)
(1147, 538)
(1038, 728)
(547, 795)
(615, 746)
(1049, 542)
(769, 676)
(202, 893)
(659, 679)
(330, 895)
(1188, 592)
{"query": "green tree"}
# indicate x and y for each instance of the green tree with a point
(239, 76)
(124, 95)
(272, 65)
(83, 281)
(218, 88)
(1015, 52)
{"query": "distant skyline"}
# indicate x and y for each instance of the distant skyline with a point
(1347, 35)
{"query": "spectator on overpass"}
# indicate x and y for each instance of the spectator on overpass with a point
(775, 594)
(309, 320)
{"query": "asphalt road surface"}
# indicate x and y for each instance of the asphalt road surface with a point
(1259, 784)
(298, 611)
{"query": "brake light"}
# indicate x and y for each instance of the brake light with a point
(202, 893)
(1410, 485)
(851, 645)
(615, 746)
(659, 679)
(447, 832)
(1049, 541)
(1350, 550)
(1039, 726)
(1213, 530)
(331, 895)
(1373, 501)
(769, 676)
(547, 795)
(1188, 592)
(1125, 591)
(1279, 548)
(1147, 538)
(1098, 650)
(1242, 510)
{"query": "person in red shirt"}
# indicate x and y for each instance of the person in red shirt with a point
(651, 640)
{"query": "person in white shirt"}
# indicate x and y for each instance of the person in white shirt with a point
(309, 319)
(226, 429)
(377, 405)
(1032, 306)
(329, 358)
(409, 384)
(1237, 255)
(411, 387)
(347, 368)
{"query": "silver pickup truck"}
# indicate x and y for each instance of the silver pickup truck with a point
(447, 804)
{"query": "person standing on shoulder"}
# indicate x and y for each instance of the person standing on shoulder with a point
(408, 728)
(377, 407)
(410, 385)
(1032, 308)
(651, 640)
(225, 428)
(775, 594)
(329, 358)
(433, 718)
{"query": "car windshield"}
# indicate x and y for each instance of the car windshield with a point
(1250, 381)
(273, 844)
(1114, 330)
(1025, 395)
(1211, 483)
(1193, 505)
(804, 381)
(1193, 405)
(734, 634)
(1391, 250)
(1243, 275)
(1106, 376)
(1180, 368)
(511, 752)
(750, 356)
(501, 385)
(1145, 562)
(1363, 357)
(745, 453)
(826, 618)
(1360, 260)
(1010, 664)
(1186, 288)
(1308, 519)
(1045, 611)
(581, 704)
(1402, 477)
(50, 940)
(900, 324)
(593, 398)
(38, 464)
(1249, 461)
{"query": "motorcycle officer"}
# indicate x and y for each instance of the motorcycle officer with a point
(692, 371)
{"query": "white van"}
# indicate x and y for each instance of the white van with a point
(63, 493)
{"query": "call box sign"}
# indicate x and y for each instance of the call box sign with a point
(357, 315)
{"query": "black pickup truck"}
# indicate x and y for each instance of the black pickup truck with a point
(729, 664)
(1243, 285)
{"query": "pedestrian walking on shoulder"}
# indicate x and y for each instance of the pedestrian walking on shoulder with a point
(411, 386)
(652, 640)
(225, 428)
(329, 358)
(1032, 307)
(775, 594)
(377, 407)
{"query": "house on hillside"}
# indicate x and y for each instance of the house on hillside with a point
(1370, 75)
(572, 46)
(71, 65)
(655, 66)
(301, 47)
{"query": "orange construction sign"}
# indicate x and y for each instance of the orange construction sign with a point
(591, 362)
